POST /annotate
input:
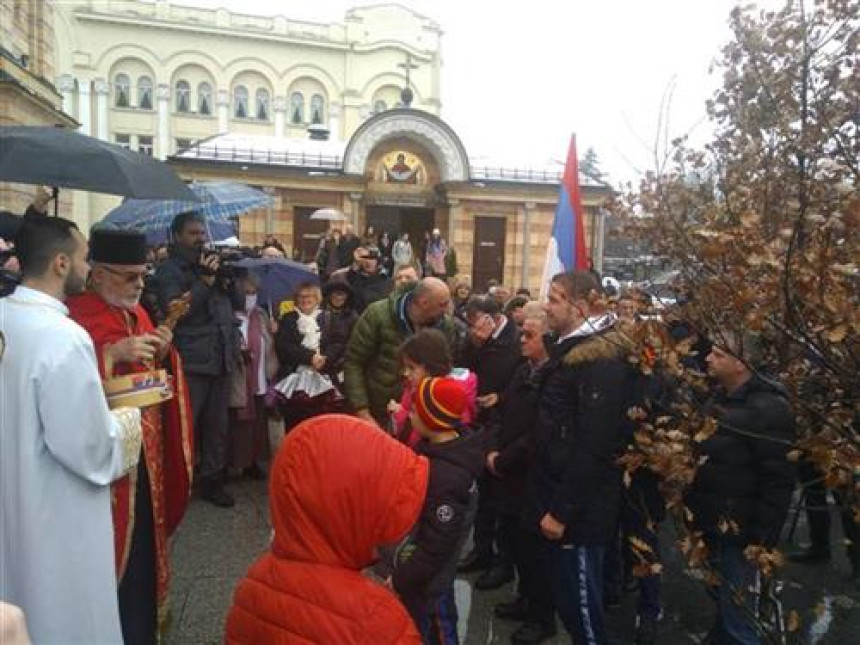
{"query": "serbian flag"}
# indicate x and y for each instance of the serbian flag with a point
(566, 250)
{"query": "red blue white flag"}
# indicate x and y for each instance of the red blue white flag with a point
(566, 250)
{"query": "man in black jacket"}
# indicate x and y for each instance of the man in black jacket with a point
(492, 352)
(579, 430)
(208, 342)
(365, 278)
(509, 460)
(742, 491)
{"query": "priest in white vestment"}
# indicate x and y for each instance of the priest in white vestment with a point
(60, 448)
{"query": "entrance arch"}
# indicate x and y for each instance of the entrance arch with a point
(423, 128)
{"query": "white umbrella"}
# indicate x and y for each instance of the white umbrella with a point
(329, 215)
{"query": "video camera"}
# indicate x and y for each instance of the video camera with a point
(227, 268)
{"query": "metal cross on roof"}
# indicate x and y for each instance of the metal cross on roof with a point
(406, 94)
(408, 66)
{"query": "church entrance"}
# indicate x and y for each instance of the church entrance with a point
(396, 220)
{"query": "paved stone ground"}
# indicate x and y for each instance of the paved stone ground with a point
(214, 547)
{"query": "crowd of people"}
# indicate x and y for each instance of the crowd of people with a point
(413, 416)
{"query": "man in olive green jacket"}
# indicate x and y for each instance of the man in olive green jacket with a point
(371, 370)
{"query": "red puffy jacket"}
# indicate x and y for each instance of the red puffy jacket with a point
(339, 487)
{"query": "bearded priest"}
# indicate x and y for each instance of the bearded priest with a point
(148, 504)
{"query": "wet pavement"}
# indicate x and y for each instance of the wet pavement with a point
(214, 547)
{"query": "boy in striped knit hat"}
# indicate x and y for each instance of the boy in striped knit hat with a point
(426, 563)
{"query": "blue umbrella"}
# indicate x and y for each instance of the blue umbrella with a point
(279, 279)
(220, 201)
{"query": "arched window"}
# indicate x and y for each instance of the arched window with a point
(204, 98)
(144, 93)
(317, 109)
(262, 105)
(183, 96)
(297, 108)
(240, 102)
(121, 86)
(379, 106)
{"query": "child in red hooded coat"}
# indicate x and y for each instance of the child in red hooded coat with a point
(339, 488)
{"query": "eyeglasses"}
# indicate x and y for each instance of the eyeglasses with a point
(129, 276)
(528, 335)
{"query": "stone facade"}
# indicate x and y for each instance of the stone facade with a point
(158, 76)
(27, 95)
(403, 170)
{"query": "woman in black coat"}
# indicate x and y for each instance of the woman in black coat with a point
(336, 322)
(304, 378)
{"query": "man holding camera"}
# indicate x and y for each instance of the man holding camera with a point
(365, 277)
(207, 340)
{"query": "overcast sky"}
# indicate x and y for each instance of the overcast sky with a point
(519, 76)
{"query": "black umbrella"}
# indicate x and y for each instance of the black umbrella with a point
(9, 225)
(64, 158)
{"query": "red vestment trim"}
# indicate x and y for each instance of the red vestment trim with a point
(167, 436)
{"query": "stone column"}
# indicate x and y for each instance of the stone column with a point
(223, 103)
(85, 108)
(102, 89)
(529, 208)
(162, 96)
(270, 215)
(599, 239)
(279, 105)
(334, 110)
(355, 202)
(66, 85)
(454, 214)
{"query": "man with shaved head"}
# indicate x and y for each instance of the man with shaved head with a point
(371, 370)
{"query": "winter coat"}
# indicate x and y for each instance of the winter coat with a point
(402, 253)
(288, 344)
(579, 433)
(346, 249)
(336, 326)
(511, 435)
(244, 377)
(327, 523)
(366, 288)
(495, 361)
(371, 370)
(207, 337)
(327, 258)
(402, 426)
(746, 481)
(425, 565)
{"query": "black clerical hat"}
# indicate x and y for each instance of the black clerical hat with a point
(117, 247)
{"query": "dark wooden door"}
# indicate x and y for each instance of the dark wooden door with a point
(384, 218)
(307, 234)
(488, 256)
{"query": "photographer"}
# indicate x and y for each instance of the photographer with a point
(207, 339)
(365, 278)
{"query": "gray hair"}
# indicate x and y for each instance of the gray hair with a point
(534, 310)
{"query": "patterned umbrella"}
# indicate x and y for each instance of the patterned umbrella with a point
(220, 201)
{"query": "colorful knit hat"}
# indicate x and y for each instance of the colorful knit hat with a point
(440, 403)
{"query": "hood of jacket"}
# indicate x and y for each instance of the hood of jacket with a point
(605, 343)
(346, 288)
(339, 488)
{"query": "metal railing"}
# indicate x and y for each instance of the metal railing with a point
(241, 154)
(310, 159)
(498, 173)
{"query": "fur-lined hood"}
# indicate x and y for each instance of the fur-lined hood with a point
(608, 344)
